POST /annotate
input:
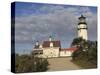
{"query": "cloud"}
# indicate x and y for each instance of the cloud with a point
(59, 21)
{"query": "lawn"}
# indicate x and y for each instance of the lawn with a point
(85, 64)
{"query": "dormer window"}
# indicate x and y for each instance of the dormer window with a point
(51, 44)
(40, 46)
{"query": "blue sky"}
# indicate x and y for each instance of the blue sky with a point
(34, 8)
(37, 21)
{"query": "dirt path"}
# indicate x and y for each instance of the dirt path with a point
(58, 64)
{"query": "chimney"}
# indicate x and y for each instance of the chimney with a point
(37, 43)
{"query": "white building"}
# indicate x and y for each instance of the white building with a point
(67, 52)
(47, 49)
(51, 48)
(82, 28)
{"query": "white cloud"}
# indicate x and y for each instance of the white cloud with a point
(59, 21)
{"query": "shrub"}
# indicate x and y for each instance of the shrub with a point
(29, 63)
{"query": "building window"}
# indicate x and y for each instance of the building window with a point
(35, 53)
(41, 53)
(65, 52)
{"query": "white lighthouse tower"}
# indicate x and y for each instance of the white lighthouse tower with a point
(82, 28)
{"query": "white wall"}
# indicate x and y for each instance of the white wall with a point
(82, 32)
(51, 52)
(65, 53)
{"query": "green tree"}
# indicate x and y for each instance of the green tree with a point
(86, 51)
(77, 41)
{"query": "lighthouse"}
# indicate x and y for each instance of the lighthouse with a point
(82, 28)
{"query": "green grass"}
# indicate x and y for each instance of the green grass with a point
(85, 64)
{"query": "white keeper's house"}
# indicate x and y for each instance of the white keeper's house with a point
(51, 48)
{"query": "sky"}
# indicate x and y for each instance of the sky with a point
(38, 21)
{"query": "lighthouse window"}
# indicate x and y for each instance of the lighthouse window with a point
(84, 26)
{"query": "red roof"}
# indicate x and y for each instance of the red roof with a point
(55, 43)
(69, 49)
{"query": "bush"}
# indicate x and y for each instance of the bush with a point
(29, 63)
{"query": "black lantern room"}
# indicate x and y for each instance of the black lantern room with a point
(82, 20)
